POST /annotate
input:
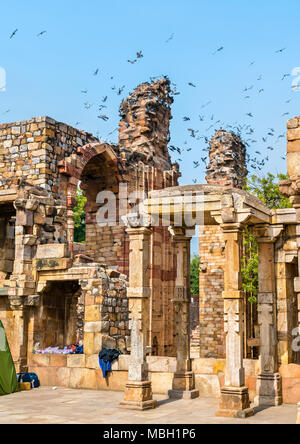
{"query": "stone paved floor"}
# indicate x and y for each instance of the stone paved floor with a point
(48, 406)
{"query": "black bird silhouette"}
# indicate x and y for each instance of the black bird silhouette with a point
(170, 38)
(219, 50)
(191, 84)
(41, 33)
(280, 50)
(139, 55)
(96, 72)
(103, 117)
(132, 61)
(14, 33)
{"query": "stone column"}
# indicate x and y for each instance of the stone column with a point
(18, 345)
(234, 395)
(296, 204)
(184, 381)
(138, 391)
(269, 384)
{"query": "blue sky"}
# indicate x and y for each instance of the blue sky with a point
(46, 74)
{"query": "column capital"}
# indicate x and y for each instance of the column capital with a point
(266, 233)
(181, 234)
(139, 231)
(232, 227)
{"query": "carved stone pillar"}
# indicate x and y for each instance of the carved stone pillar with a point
(296, 204)
(269, 384)
(18, 345)
(234, 395)
(184, 381)
(138, 391)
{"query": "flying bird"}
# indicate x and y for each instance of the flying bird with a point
(103, 117)
(170, 38)
(191, 84)
(14, 33)
(139, 55)
(280, 50)
(218, 50)
(41, 33)
(96, 72)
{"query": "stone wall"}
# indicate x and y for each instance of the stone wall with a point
(84, 372)
(211, 304)
(31, 150)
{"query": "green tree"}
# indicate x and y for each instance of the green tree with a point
(250, 266)
(79, 217)
(195, 264)
(267, 190)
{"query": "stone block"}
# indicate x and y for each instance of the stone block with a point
(58, 361)
(158, 364)
(83, 378)
(293, 164)
(40, 360)
(92, 313)
(92, 362)
(76, 361)
(92, 327)
(51, 251)
(24, 218)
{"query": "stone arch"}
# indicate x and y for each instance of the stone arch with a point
(72, 170)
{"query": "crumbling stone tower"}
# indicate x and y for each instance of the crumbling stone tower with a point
(227, 165)
(145, 124)
(227, 168)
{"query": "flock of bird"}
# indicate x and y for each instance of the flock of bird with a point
(256, 161)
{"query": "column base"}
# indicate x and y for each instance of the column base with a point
(183, 386)
(138, 396)
(269, 389)
(183, 394)
(235, 403)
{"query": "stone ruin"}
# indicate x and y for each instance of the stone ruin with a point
(227, 156)
(128, 286)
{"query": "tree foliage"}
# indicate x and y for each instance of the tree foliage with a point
(250, 266)
(195, 264)
(267, 190)
(79, 217)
